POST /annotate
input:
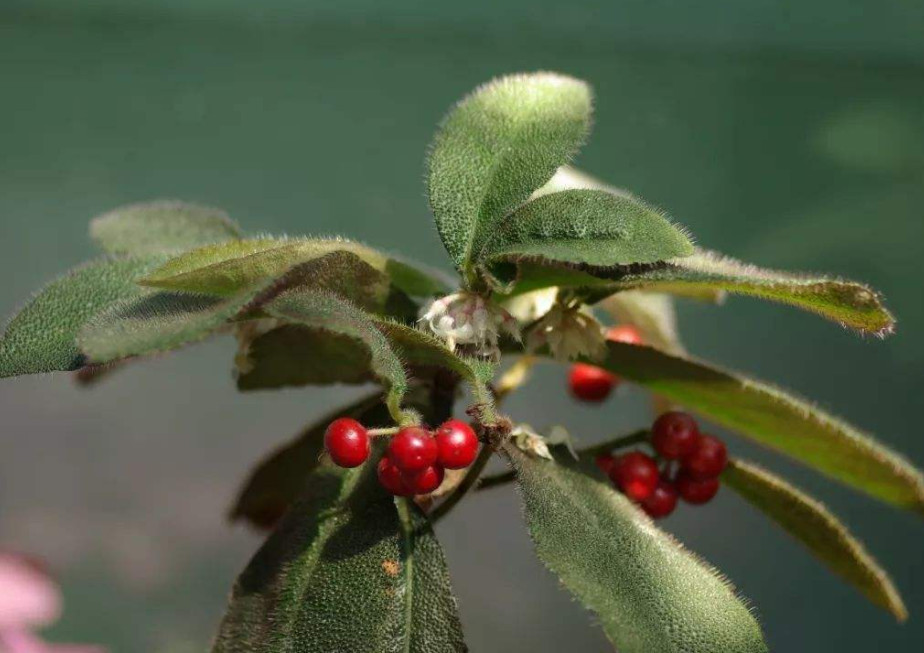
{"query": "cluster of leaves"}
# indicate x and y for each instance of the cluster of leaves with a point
(350, 568)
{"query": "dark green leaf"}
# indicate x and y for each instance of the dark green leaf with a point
(279, 479)
(587, 227)
(42, 336)
(322, 310)
(229, 268)
(497, 146)
(775, 419)
(347, 570)
(155, 322)
(649, 594)
(812, 524)
(293, 355)
(161, 226)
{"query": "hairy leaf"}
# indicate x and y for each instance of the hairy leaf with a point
(155, 322)
(322, 310)
(278, 480)
(588, 227)
(497, 146)
(42, 336)
(347, 570)
(293, 355)
(647, 591)
(846, 302)
(812, 524)
(161, 226)
(776, 419)
(228, 268)
(420, 349)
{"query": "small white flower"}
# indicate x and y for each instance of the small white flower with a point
(569, 332)
(530, 442)
(466, 318)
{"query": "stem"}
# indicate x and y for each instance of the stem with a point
(471, 477)
(391, 430)
(589, 452)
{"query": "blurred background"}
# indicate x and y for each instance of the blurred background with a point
(788, 133)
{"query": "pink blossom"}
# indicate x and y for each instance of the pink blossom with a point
(29, 599)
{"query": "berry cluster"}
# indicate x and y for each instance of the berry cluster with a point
(592, 383)
(675, 437)
(416, 459)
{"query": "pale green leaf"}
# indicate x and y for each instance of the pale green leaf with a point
(648, 593)
(161, 226)
(497, 146)
(812, 524)
(293, 355)
(42, 336)
(278, 480)
(228, 268)
(322, 310)
(347, 570)
(585, 227)
(849, 303)
(775, 419)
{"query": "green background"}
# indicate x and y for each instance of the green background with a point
(790, 134)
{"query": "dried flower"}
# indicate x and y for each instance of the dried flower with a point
(466, 318)
(569, 332)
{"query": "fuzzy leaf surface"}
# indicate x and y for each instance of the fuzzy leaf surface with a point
(42, 337)
(587, 227)
(293, 355)
(322, 310)
(812, 524)
(648, 593)
(156, 322)
(279, 479)
(775, 419)
(497, 146)
(347, 570)
(228, 268)
(161, 226)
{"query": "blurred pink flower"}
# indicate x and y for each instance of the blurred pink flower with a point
(29, 599)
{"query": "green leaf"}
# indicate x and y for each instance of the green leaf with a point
(155, 322)
(497, 146)
(419, 349)
(322, 310)
(293, 355)
(279, 479)
(775, 419)
(587, 227)
(42, 336)
(161, 226)
(228, 268)
(347, 570)
(647, 591)
(812, 524)
(848, 303)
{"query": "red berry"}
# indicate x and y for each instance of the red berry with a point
(625, 333)
(674, 435)
(412, 449)
(391, 479)
(457, 444)
(605, 462)
(590, 383)
(347, 442)
(426, 480)
(696, 491)
(707, 460)
(636, 474)
(662, 501)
